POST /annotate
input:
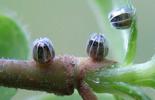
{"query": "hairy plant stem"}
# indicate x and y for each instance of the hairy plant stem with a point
(60, 76)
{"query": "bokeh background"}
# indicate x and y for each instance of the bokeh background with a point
(68, 23)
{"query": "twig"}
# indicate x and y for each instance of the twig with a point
(59, 76)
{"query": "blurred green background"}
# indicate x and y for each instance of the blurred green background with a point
(68, 23)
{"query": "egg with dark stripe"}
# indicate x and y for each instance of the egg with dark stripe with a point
(43, 51)
(121, 18)
(97, 47)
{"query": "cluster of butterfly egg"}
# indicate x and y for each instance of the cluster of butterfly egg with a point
(97, 47)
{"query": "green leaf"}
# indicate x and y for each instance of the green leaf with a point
(131, 47)
(13, 39)
(13, 44)
(104, 80)
(132, 91)
(117, 97)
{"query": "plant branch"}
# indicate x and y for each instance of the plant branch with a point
(85, 92)
(136, 75)
(60, 76)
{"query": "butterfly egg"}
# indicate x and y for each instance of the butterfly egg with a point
(43, 51)
(122, 18)
(97, 47)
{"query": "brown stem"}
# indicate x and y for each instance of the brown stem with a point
(85, 92)
(56, 77)
(59, 76)
(88, 64)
